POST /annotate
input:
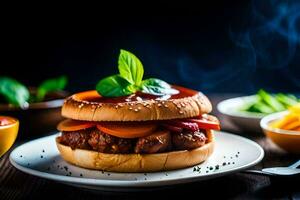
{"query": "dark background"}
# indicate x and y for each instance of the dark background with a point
(222, 46)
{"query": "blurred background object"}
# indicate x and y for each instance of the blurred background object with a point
(37, 108)
(9, 128)
(221, 46)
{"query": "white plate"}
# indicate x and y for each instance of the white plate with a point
(41, 158)
(247, 121)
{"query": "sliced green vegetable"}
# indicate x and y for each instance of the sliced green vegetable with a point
(271, 101)
(285, 99)
(268, 103)
(260, 107)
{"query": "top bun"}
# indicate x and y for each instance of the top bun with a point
(84, 106)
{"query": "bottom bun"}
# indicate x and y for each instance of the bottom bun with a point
(137, 162)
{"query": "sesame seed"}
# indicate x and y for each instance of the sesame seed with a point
(159, 105)
(181, 112)
(139, 108)
(130, 108)
(136, 110)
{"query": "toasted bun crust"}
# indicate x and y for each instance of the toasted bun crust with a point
(80, 107)
(137, 162)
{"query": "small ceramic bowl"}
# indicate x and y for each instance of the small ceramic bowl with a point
(287, 140)
(246, 121)
(8, 133)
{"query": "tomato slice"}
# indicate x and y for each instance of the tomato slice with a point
(172, 128)
(205, 124)
(184, 124)
(127, 130)
(74, 125)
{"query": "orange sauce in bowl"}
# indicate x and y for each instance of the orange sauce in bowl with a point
(8, 132)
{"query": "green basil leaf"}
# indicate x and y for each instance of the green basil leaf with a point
(130, 67)
(14, 92)
(157, 87)
(51, 85)
(114, 86)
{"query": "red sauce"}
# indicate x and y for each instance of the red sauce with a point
(139, 96)
(4, 121)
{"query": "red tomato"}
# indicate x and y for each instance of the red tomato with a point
(184, 124)
(205, 124)
(173, 128)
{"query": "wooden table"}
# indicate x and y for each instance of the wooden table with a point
(18, 185)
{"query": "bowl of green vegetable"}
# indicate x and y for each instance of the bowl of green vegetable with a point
(37, 108)
(247, 111)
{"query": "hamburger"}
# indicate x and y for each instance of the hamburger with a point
(133, 125)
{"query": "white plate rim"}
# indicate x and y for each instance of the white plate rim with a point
(132, 183)
(238, 113)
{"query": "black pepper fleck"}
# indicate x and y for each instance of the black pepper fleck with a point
(206, 171)
(28, 164)
(224, 157)
(81, 175)
(102, 172)
(70, 173)
(167, 175)
(238, 152)
(21, 156)
(43, 151)
(66, 168)
(211, 168)
(145, 174)
(236, 155)
(233, 162)
(42, 156)
(145, 178)
(228, 163)
(108, 174)
(57, 166)
(224, 163)
(217, 167)
(230, 157)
